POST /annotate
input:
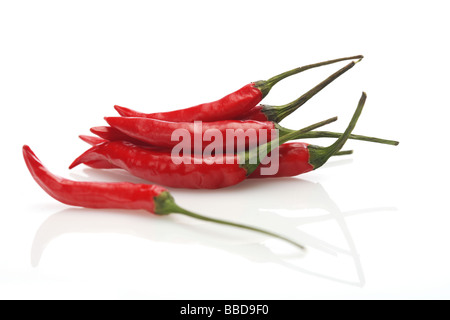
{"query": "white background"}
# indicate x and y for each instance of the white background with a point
(376, 223)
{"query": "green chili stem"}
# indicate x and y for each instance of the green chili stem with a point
(165, 205)
(266, 86)
(318, 156)
(329, 134)
(343, 153)
(179, 210)
(285, 136)
(296, 134)
(278, 113)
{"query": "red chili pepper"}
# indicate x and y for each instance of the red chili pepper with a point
(265, 112)
(159, 132)
(158, 166)
(120, 195)
(232, 106)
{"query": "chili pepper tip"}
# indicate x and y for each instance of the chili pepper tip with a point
(81, 159)
(93, 141)
(126, 112)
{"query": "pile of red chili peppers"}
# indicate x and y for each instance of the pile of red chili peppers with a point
(142, 144)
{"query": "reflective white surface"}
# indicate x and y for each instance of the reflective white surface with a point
(375, 223)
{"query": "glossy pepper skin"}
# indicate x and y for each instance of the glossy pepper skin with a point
(95, 195)
(294, 160)
(159, 167)
(233, 105)
(159, 133)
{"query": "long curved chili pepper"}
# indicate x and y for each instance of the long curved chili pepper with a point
(160, 133)
(231, 106)
(119, 195)
(158, 166)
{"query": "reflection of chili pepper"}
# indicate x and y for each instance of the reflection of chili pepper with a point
(232, 106)
(159, 167)
(119, 195)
